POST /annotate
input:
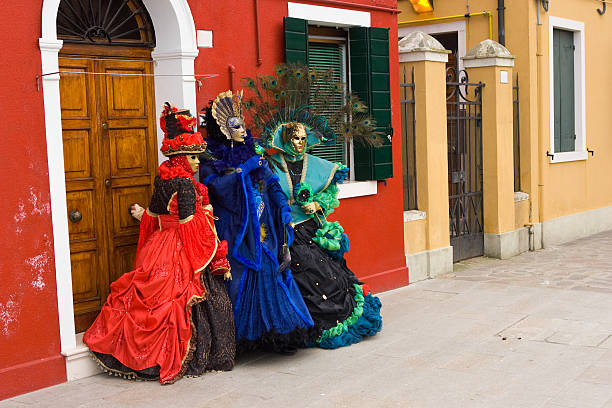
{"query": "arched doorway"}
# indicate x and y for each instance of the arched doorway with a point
(173, 64)
(109, 138)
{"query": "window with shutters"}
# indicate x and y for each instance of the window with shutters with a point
(327, 49)
(361, 53)
(567, 109)
(565, 129)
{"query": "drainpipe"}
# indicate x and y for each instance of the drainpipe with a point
(542, 137)
(232, 76)
(501, 25)
(257, 34)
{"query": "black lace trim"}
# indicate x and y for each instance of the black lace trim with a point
(295, 171)
(280, 343)
(163, 190)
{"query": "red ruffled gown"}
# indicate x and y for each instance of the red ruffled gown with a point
(171, 316)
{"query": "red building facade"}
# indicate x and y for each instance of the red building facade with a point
(232, 38)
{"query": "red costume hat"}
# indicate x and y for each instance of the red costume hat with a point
(179, 135)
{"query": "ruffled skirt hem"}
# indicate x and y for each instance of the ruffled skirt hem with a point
(273, 341)
(364, 321)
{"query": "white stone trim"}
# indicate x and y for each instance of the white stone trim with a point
(429, 264)
(414, 215)
(487, 62)
(49, 49)
(574, 226)
(512, 243)
(577, 27)
(329, 16)
(205, 38)
(351, 189)
(79, 363)
(456, 26)
(567, 156)
(414, 56)
(520, 196)
(175, 53)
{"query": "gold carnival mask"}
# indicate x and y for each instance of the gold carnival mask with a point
(298, 137)
(194, 162)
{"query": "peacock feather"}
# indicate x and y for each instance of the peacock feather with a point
(297, 93)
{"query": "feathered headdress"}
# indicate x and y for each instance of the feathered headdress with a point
(226, 106)
(296, 93)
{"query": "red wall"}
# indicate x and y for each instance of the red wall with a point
(29, 329)
(374, 223)
(29, 334)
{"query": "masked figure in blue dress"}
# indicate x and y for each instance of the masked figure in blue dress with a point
(255, 219)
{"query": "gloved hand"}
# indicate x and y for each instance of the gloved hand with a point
(253, 163)
(286, 215)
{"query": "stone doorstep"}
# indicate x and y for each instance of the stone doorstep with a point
(79, 363)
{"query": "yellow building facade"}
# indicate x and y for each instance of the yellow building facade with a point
(560, 52)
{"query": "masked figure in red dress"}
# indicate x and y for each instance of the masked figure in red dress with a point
(170, 316)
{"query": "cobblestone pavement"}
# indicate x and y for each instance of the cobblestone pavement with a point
(585, 264)
(532, 331)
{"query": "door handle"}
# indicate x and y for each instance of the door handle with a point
(105, 125)
(75, 216)
(107, 182)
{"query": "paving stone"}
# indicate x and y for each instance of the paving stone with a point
(597, 375)
(531, 331)
(583, 395)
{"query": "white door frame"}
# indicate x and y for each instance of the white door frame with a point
(174, 53)
(456, 26)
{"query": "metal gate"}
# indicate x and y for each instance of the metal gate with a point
(409, 141)
(464, 126)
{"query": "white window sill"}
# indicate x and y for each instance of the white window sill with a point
(350, 189)
(520, 196)
(568, 156)
(414, 215)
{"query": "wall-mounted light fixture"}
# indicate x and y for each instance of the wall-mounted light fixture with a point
(422, 6)
(545, 5)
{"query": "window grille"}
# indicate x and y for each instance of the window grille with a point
(324, 56)
(108, 22)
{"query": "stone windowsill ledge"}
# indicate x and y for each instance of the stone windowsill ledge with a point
(414, 215)
(351, 189)
(520, 196)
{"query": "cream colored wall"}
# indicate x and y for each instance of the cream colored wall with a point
(477, 27)
(498, 194)
(415, 236)
(521, 214)
(430, 126)
(555, 189)
(582, 185)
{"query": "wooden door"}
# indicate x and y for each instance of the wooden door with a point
(110, 160)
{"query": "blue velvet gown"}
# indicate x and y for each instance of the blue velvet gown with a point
(254, 218)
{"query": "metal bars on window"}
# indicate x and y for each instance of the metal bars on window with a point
(409, 140)
(109, 22)
(324, 56)
(516, 130)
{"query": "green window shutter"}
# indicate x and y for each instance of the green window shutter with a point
(370, 80)
(296, 40)
(323, 56)
(564, 104)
